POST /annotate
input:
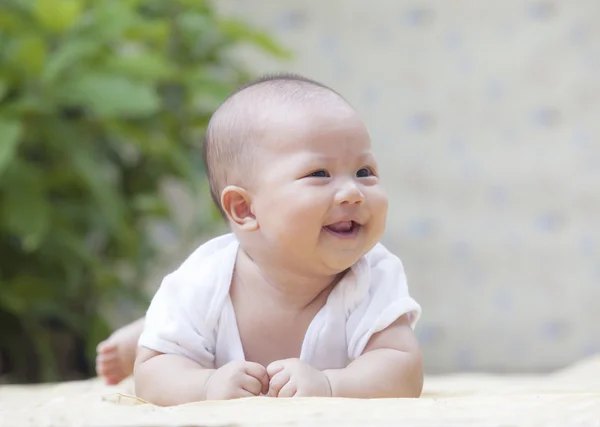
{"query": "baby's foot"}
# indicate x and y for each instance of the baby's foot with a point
(116, 355)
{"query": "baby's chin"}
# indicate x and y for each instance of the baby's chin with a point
(342, 262)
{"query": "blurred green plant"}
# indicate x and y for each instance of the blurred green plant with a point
(100, 102)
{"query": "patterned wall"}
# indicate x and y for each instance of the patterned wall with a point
(486, 117)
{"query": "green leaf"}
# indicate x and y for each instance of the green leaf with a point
(10, 134)
(68, 55)
(144, 66)
(25, 208)
(30, 103)
(30, 54)
(93, 173)
(108, 95)
(149, 32)
(3, 89)
(11, 18)
(111, 20)
(58, 15)
(195, 23)
(211, 91)
(22, 294)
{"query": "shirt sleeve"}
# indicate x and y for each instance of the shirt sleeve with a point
(176, 322)
(385, 298)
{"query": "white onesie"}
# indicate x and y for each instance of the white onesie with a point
(192, 315)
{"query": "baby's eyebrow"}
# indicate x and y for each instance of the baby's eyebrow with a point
(314, 158)
(318, 157)
(367, 156)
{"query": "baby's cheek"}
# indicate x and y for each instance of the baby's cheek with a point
(382, 198)
(377, 200)
(379, 209)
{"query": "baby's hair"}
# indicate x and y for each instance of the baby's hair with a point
(235, 126)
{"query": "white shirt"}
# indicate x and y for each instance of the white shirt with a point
(192, 315)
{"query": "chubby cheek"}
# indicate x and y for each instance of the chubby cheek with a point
(291, 215)
(378, 205)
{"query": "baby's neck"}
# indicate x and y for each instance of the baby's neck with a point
(289, 288)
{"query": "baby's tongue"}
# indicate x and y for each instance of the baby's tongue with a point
(341, 227)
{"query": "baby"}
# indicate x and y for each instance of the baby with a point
(299, 299)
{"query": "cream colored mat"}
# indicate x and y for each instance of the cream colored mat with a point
(567, 398)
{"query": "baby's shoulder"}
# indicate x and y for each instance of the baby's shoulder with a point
(381, 258)
(204, 277)
(217, 249)
(379, 270)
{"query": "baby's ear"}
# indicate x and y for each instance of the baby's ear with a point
(236, 204)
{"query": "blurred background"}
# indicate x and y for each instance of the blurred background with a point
(484, 116)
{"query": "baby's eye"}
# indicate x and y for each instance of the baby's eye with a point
(364, 172)
(319, 174)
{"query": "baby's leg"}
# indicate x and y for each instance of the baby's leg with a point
(116, 354)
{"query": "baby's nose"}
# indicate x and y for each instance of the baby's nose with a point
(349, 194)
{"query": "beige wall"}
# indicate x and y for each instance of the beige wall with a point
(486, 120)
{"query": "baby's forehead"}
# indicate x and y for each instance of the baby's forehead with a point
(258, 117)
(272, 99)
(314, 137)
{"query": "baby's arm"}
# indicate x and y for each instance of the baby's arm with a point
(169, 379)
(390, 366)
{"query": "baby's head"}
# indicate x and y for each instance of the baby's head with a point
(290, 165)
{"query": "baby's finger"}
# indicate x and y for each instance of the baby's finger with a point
(288, 390)
(106, 347)
(259, 372)
(275, 367)
(251, 385)
(255, 370)
(277, 382)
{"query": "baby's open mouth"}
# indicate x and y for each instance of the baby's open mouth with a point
(343, 228)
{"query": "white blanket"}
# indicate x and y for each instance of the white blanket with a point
(570, 397)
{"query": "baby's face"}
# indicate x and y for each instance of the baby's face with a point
(317, 196)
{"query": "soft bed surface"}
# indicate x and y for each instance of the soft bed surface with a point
(570, 397)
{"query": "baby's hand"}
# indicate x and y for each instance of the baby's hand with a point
(293, 377)
(237, 379)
